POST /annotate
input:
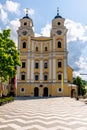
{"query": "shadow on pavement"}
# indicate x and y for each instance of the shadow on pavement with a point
(32, 98)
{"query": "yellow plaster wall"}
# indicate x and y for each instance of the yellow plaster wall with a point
(52, 90)
(70, 74)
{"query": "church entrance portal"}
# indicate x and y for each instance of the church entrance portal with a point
(36, 92)
(45, 92)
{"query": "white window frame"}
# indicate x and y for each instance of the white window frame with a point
(21, 90)
(59, 91)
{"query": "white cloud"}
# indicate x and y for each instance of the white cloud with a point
(0, 6)
(37, 35)
(3, 16)
(30, 11)
(82, 64)
(76, 31)
(0, 30)
(45, 31)
(12, 7)
(9, 6)
(13, 25)
(77, 39)
(76, 73)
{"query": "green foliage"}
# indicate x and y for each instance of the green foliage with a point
(9, 56)
(81, 85)
(84, 82)
(6, 100)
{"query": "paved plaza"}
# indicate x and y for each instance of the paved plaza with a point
(44, 114)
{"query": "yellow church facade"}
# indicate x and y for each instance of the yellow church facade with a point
(45, 70)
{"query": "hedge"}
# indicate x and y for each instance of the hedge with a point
(6, 100)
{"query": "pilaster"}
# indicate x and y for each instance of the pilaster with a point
(32, 63)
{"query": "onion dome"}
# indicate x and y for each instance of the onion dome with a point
(26, 16)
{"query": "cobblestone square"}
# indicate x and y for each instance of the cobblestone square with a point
(62, 113)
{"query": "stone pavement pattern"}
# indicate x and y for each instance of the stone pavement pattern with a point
(44, 114)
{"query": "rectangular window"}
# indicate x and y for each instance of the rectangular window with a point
(45, 77)
(23, 65)
(22, 77)
(36, 77)
(59, 64)
(59, 77)
(36, 48)
(45, 65)
(36, 65)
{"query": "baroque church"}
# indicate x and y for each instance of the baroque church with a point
(45, 70)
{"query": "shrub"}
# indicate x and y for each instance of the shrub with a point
(6, 100)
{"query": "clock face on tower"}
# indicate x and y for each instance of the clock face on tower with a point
(59, 32)
(24, 32)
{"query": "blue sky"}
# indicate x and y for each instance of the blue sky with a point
(42, 12)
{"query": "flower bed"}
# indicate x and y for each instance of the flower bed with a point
(6, 100)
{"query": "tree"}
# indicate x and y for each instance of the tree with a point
(81, 87)
(9, 56)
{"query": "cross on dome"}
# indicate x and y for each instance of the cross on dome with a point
(26, 11)
(58, 16)
(57, 11)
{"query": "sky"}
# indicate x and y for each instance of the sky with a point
(42, 12)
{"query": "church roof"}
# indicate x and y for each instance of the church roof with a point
(26, 17)
(41, 38)
(58, 16)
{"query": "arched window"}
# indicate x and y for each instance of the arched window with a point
(46, 48)
(36, 48)
(24, 44)
(59, 44)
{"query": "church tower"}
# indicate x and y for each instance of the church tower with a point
(59, 34)
(25, 33)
